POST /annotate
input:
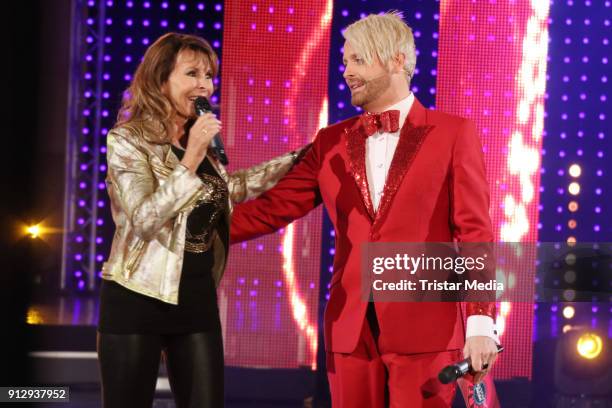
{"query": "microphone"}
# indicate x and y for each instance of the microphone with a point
(453, 372)
(202, 106)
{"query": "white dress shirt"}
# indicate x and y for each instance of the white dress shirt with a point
(380, 148)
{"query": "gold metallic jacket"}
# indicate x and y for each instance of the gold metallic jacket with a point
(151, 196)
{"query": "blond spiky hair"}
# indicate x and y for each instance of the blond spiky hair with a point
(384, 36)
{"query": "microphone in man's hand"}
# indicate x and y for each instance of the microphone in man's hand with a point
(202, 106)
(455, 371)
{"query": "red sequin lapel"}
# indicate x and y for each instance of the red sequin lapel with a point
(411, 139)
(356, 149)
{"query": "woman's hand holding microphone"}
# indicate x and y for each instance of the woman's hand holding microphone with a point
(201, 133)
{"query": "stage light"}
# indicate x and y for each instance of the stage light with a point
(583, 366)
(575, 170)
(589, 346)
(568, 312)
(570, 276)
(573, 206)
(574, 188)
(34, 231)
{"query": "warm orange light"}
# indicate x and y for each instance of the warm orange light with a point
(34, 231)
(568, 312)
(572, 224)
(589, 346)
(573, 206)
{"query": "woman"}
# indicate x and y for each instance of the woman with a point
(171, 203)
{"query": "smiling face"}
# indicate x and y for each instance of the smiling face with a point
(369, 84)
(191, 77)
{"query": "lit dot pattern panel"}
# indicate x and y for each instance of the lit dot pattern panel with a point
(492, 69)
(114, 37)
(577, 125)
(274, 100)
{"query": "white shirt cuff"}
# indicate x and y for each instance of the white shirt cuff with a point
(481, 325)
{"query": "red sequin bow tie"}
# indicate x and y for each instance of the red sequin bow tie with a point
(387, 121)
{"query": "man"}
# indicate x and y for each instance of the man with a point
(397, 173)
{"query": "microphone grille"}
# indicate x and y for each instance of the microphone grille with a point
(202, 103)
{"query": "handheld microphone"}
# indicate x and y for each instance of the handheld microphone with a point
(455, 371)
(202, 106)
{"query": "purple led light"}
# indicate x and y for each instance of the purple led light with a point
(100, 221)
(79, 238)
(99, 240)
(182, 7)
(78, 257)
(218, 7)
(81, 285)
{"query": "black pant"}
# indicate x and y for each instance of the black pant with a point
(129, 364)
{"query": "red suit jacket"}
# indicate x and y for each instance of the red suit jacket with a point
(436, 191)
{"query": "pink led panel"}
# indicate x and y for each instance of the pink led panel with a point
(274, 70)
(492, 69)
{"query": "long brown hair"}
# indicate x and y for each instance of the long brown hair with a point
(144, 105)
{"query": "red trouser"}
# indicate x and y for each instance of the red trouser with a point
(373, 378)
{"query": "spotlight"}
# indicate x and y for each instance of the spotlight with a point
(575, 170)
(574, 188)
(589, 345)
(568, 312)
(583, 368)
(34, 231)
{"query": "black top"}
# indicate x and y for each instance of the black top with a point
(123, 311)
